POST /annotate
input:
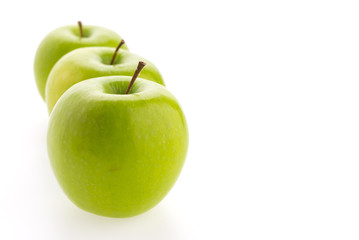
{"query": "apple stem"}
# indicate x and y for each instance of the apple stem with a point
(115, 53)
(81, 30)
(135, 75)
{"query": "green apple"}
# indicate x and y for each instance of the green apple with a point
(65, 39)
(92, 62)
(117, 154)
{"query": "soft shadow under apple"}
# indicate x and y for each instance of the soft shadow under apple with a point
(157, 223)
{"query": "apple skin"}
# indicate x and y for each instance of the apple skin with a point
(65, 39)
(92, 62)
(117, 155)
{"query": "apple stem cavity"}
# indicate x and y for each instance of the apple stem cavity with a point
(115, 53)
(81, 29)
(140, 66)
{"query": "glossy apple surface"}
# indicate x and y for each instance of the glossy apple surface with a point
(92, 62)
(65, 39)
(116, 154)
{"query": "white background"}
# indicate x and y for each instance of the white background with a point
(270, 90)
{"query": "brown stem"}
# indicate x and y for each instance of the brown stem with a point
(81, 30)
(135, 75)
(115, 53)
